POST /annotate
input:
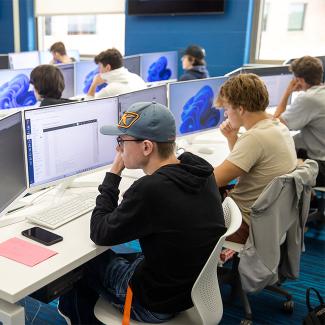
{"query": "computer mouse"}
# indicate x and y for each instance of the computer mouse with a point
(205, 150)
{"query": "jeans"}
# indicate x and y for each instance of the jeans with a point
(106, 275)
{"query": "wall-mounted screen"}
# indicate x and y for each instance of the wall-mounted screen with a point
(173, 7)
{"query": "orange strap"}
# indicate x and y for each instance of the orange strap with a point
(127, 307)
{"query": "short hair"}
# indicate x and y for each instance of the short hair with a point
(246, 90)
(113, 57)
(309, 68)
(58, 47)
(166, 149)
(48, 81)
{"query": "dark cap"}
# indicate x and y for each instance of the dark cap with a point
(195, 51)
(147, 121)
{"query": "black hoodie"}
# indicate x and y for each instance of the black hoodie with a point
(176, 213)
(196, 72)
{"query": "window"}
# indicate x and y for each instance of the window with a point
(81, 25)
(296, 16)
(285, 29)
(48, 26)
(90, 34)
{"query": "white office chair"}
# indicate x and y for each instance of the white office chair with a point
(205, 292)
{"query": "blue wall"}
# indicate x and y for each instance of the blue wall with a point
(27, 25)
(6, 27)
(225, 37)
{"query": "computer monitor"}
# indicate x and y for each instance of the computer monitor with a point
(68, 74)
(157, 94)
(276, 86)
(267, 70)
(4, 61)
(85, 71)
(24, 60)
(65, 141)
(46, 57)
(13, 179)
(276, 79)
(132, 63)
(192, 103)
(159, 66)
(15, 89)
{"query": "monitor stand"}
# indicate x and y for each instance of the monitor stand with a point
(57, 192)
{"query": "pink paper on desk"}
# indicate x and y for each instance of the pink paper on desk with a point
(24, 252)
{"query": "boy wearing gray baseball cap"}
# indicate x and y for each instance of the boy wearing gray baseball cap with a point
(175, 211)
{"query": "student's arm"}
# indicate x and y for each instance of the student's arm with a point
(230, 133)
(242, 158)
(96, 81)
(293, 86)
(226, 172)
(113, 224)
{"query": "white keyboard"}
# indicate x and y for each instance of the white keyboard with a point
(59, 214)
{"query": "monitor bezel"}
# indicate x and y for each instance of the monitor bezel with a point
(68, 179)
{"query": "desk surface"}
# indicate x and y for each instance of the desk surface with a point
(18, 281)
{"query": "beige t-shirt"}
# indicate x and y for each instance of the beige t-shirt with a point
(264, 152)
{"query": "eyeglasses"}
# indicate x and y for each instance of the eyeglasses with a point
(120, 141)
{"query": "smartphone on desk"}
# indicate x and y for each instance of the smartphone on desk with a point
(42, 236)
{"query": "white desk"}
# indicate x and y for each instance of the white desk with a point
(18, 281)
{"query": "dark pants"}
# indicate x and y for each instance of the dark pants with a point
(107, 275)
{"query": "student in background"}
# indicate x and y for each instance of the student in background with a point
(307, 112)
(59, 54)
(266, 150)
(48, 82)
(175, 211)
(193, 62)
(112, 72)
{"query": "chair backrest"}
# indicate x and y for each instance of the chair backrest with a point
(205, 292)
(279, 213)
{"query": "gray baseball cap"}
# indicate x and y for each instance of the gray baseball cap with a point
(147, 121)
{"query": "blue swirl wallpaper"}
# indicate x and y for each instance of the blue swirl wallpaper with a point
(159, 66)
(158, 70)
(199, 113)
(16, 93)
(89, 79)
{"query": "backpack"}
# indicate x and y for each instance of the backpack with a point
(316, 315)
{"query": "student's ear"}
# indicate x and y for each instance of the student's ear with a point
(147, 147)
(107, 67)
(241, 111)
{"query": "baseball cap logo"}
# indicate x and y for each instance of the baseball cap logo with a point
(127, 119)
